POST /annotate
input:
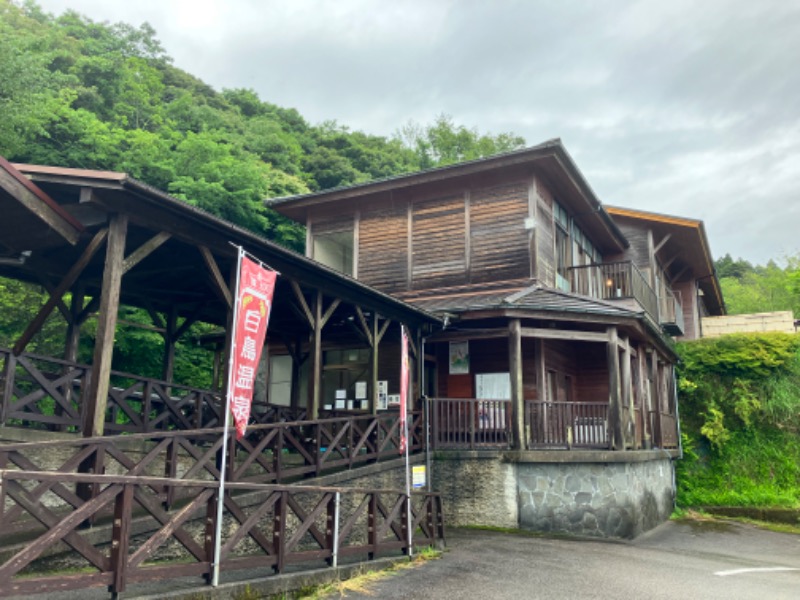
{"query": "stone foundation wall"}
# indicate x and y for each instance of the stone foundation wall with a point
(598, 494)
(618, 500)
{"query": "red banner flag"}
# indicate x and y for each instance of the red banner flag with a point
(403, 388)
(254, 303)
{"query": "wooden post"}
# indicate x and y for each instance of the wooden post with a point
(644, 389)
(315, 376)
(517, 390)
(614, 413)
(541, 389)
(627, 394)
(97, 394)
(168, 365)
(375, 364)
(72, 343)
(120, 539)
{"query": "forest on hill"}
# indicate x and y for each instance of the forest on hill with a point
(78, 93)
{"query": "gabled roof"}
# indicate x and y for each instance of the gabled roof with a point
(549, 158)
(685, 250)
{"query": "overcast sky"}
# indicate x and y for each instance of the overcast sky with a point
(682, 107)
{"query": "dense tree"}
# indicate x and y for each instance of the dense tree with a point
(751, 289)
(80, 93)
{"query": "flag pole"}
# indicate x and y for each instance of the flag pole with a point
(222, 467)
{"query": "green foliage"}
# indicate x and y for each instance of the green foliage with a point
(740, 419)
(754, 289)
(78, 93)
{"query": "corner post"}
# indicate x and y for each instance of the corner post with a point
(616, 442)
(517, 390)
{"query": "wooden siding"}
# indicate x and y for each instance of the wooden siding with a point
(498, 238)
(691, 321)
(438, 242)
(545, 236)
(640, 239)
(592, 384)
(332, 223)
(383, 247)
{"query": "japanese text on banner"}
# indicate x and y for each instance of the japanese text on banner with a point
(254, 302)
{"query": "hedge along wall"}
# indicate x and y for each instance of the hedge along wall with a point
(740, 420)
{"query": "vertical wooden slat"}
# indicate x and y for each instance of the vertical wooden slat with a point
(279, 531)
(120, 538)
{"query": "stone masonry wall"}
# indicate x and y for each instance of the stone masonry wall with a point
(605, 496)
(618, 500)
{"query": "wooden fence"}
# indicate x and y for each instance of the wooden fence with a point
(136, 539)
(275, 453)
(567, 424)
(469, 423)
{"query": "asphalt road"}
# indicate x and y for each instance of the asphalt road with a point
(676, 561)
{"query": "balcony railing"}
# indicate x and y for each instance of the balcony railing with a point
(615, 281)
(670, 311)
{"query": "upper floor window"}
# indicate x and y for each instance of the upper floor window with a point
(563, 254)
(334, 250)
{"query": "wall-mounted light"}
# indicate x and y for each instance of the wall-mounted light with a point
(609, 282)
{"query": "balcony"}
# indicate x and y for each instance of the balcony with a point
(615, 281)
(625, 282)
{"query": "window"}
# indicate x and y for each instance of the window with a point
(335, 250)
(563, 254)
(280, 379)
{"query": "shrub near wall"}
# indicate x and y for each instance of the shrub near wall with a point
(740, 420)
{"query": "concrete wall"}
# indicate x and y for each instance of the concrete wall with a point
(755, 322)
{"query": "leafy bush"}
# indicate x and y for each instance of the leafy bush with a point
(740, 417)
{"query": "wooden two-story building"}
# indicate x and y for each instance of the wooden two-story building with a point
(558, 313)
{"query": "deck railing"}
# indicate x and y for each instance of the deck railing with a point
(136, 539)
(670, 311)
(614, 281)
(470, 423)
(567, 424)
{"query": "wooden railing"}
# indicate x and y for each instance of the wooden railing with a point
(44, 392)
(275, 453)
(135, 539)
(567, 424)
(469, 423)
(613, 281)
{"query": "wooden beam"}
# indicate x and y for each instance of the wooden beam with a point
(70, 278)
(564, 334)
(303, 304)
(143, 251)
(97, 393)
(219, 282)
(50, 288)
(469, 334)
(517, 389)
(661, 243)
(189, 321)
(382, 332)
(27, 194)
(329, 313)
(364, 326)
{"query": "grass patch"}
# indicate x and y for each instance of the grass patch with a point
(699, 516)
(361, 582)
